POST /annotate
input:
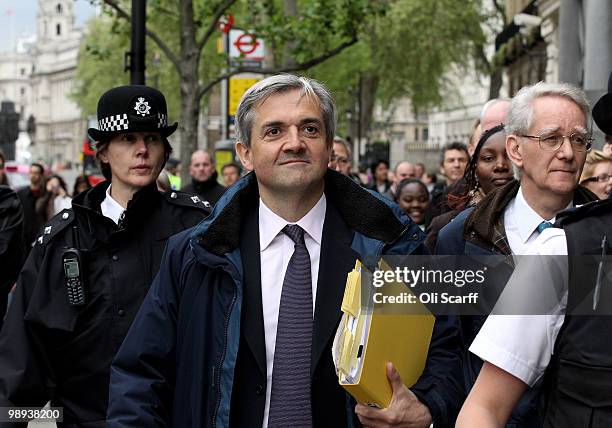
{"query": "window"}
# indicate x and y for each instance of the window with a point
(22, 71)
(22, 90)
(58, 29)
(425, 134)
(416, 134)
(59, 9)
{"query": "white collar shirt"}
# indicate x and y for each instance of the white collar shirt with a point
(521, 222)
(522, 345)
(276, 249)
(111, 208)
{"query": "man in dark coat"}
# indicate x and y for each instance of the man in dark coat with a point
(547, 141)
(56, 346)
(204, 178)
(32, 221)
(215, 343)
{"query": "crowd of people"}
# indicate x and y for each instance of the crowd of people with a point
(135, 304)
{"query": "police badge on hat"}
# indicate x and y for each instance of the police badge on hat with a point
(142, 106)
(133, 108)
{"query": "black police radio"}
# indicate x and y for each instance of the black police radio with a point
(73, 272)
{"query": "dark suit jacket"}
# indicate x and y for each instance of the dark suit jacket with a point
(328, 398)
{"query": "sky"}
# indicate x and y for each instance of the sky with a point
(18, 18)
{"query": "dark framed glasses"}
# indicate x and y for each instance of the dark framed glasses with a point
(580, 142)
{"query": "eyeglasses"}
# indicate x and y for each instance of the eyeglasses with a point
(580, 142)
(342, 160)
(601, 178)
(338, 159)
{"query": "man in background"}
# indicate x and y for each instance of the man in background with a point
(230, 173)
(28, 196)
(453, 160)
(403, 170)
(203, 177)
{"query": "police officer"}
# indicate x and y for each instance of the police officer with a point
(12, 251)
(72, 308)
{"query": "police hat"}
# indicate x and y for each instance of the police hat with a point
(602, 111)
(133, 108)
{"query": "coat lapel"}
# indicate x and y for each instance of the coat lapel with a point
(336, 260)
(253, 325)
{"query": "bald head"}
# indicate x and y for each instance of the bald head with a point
(202, 166)
(494, 112)
(403, 170)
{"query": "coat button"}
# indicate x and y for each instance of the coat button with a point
(173, 195)
(115, 257)
(259, 390)
(121, 312)
(415, 237)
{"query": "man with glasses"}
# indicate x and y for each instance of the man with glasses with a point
(547, 142)
(341, 159)
(573, 354)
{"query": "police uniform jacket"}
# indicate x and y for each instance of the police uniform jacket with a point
(578, 380)
(11, 243)
(50, 350)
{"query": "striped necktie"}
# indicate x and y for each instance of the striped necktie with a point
(290, 404)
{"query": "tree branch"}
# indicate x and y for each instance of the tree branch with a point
(482, 57)
(213, 24)
(501, 10)
(164, 48)
(297, 67)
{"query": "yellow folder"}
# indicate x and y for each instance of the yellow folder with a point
(369, 336)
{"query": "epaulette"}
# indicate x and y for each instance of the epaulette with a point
(58, 223)
(187, 200)
(582, 211)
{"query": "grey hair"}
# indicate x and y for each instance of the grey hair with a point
(340, 140)
(281, 83)
(520, 114)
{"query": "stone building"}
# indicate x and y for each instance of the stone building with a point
(38, 76)
(60, 129)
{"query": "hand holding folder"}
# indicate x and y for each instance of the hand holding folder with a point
(367, 339)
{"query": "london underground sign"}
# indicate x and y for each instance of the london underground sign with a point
(246, 46)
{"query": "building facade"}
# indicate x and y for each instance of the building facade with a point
(60, 128)
(38, 76)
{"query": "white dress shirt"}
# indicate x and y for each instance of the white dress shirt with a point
(521, 223)
(276, 249)
(111, 208)
(522, 345)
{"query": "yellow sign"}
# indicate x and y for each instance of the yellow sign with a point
(223, 157)
(237, 87)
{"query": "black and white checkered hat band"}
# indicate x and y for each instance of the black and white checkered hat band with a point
(118, 122)
(162, 120)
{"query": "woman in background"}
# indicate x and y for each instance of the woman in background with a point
(488, 169)
(55, 200)
(81, 183)
(413, 198)
(597, 173)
